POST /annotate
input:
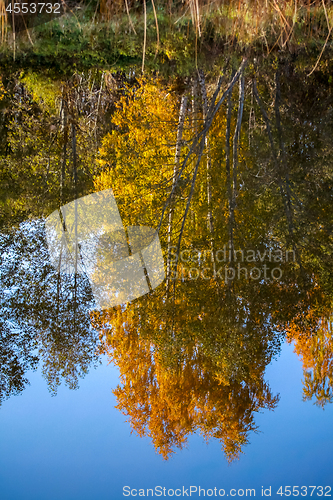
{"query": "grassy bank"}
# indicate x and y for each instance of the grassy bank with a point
(167, 35)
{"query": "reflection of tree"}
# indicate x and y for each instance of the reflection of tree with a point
(195, 362)
(44, 315)
(49, 131)
(195, 365)
(16, 357)
(313, 342)
(49, 134)
(257, 168)
(191, 354)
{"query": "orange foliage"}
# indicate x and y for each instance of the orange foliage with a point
(315, 347)
(170, 404)
(311, 332)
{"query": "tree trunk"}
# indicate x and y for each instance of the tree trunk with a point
(182, 114)
(235, 146)
(64, 129)
(227, 165)
(202, 84)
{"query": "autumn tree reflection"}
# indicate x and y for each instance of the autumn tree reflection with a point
(179, 377)
(235, 174)
(311, 334)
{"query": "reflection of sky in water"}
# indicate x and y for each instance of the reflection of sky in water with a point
(77, 446)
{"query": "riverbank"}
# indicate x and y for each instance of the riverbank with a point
(172, 38)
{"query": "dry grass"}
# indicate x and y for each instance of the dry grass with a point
(3, 22)
(264, 19)
(268, 23)
(246, 21)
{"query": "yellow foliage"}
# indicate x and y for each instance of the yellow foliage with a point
(43, 89)
(314, 345)
(139, 152)
(2, 90)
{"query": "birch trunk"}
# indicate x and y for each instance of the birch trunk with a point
(235, 146)
(64, 130)
(180, 128)
(202, 84)
(227, 166)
